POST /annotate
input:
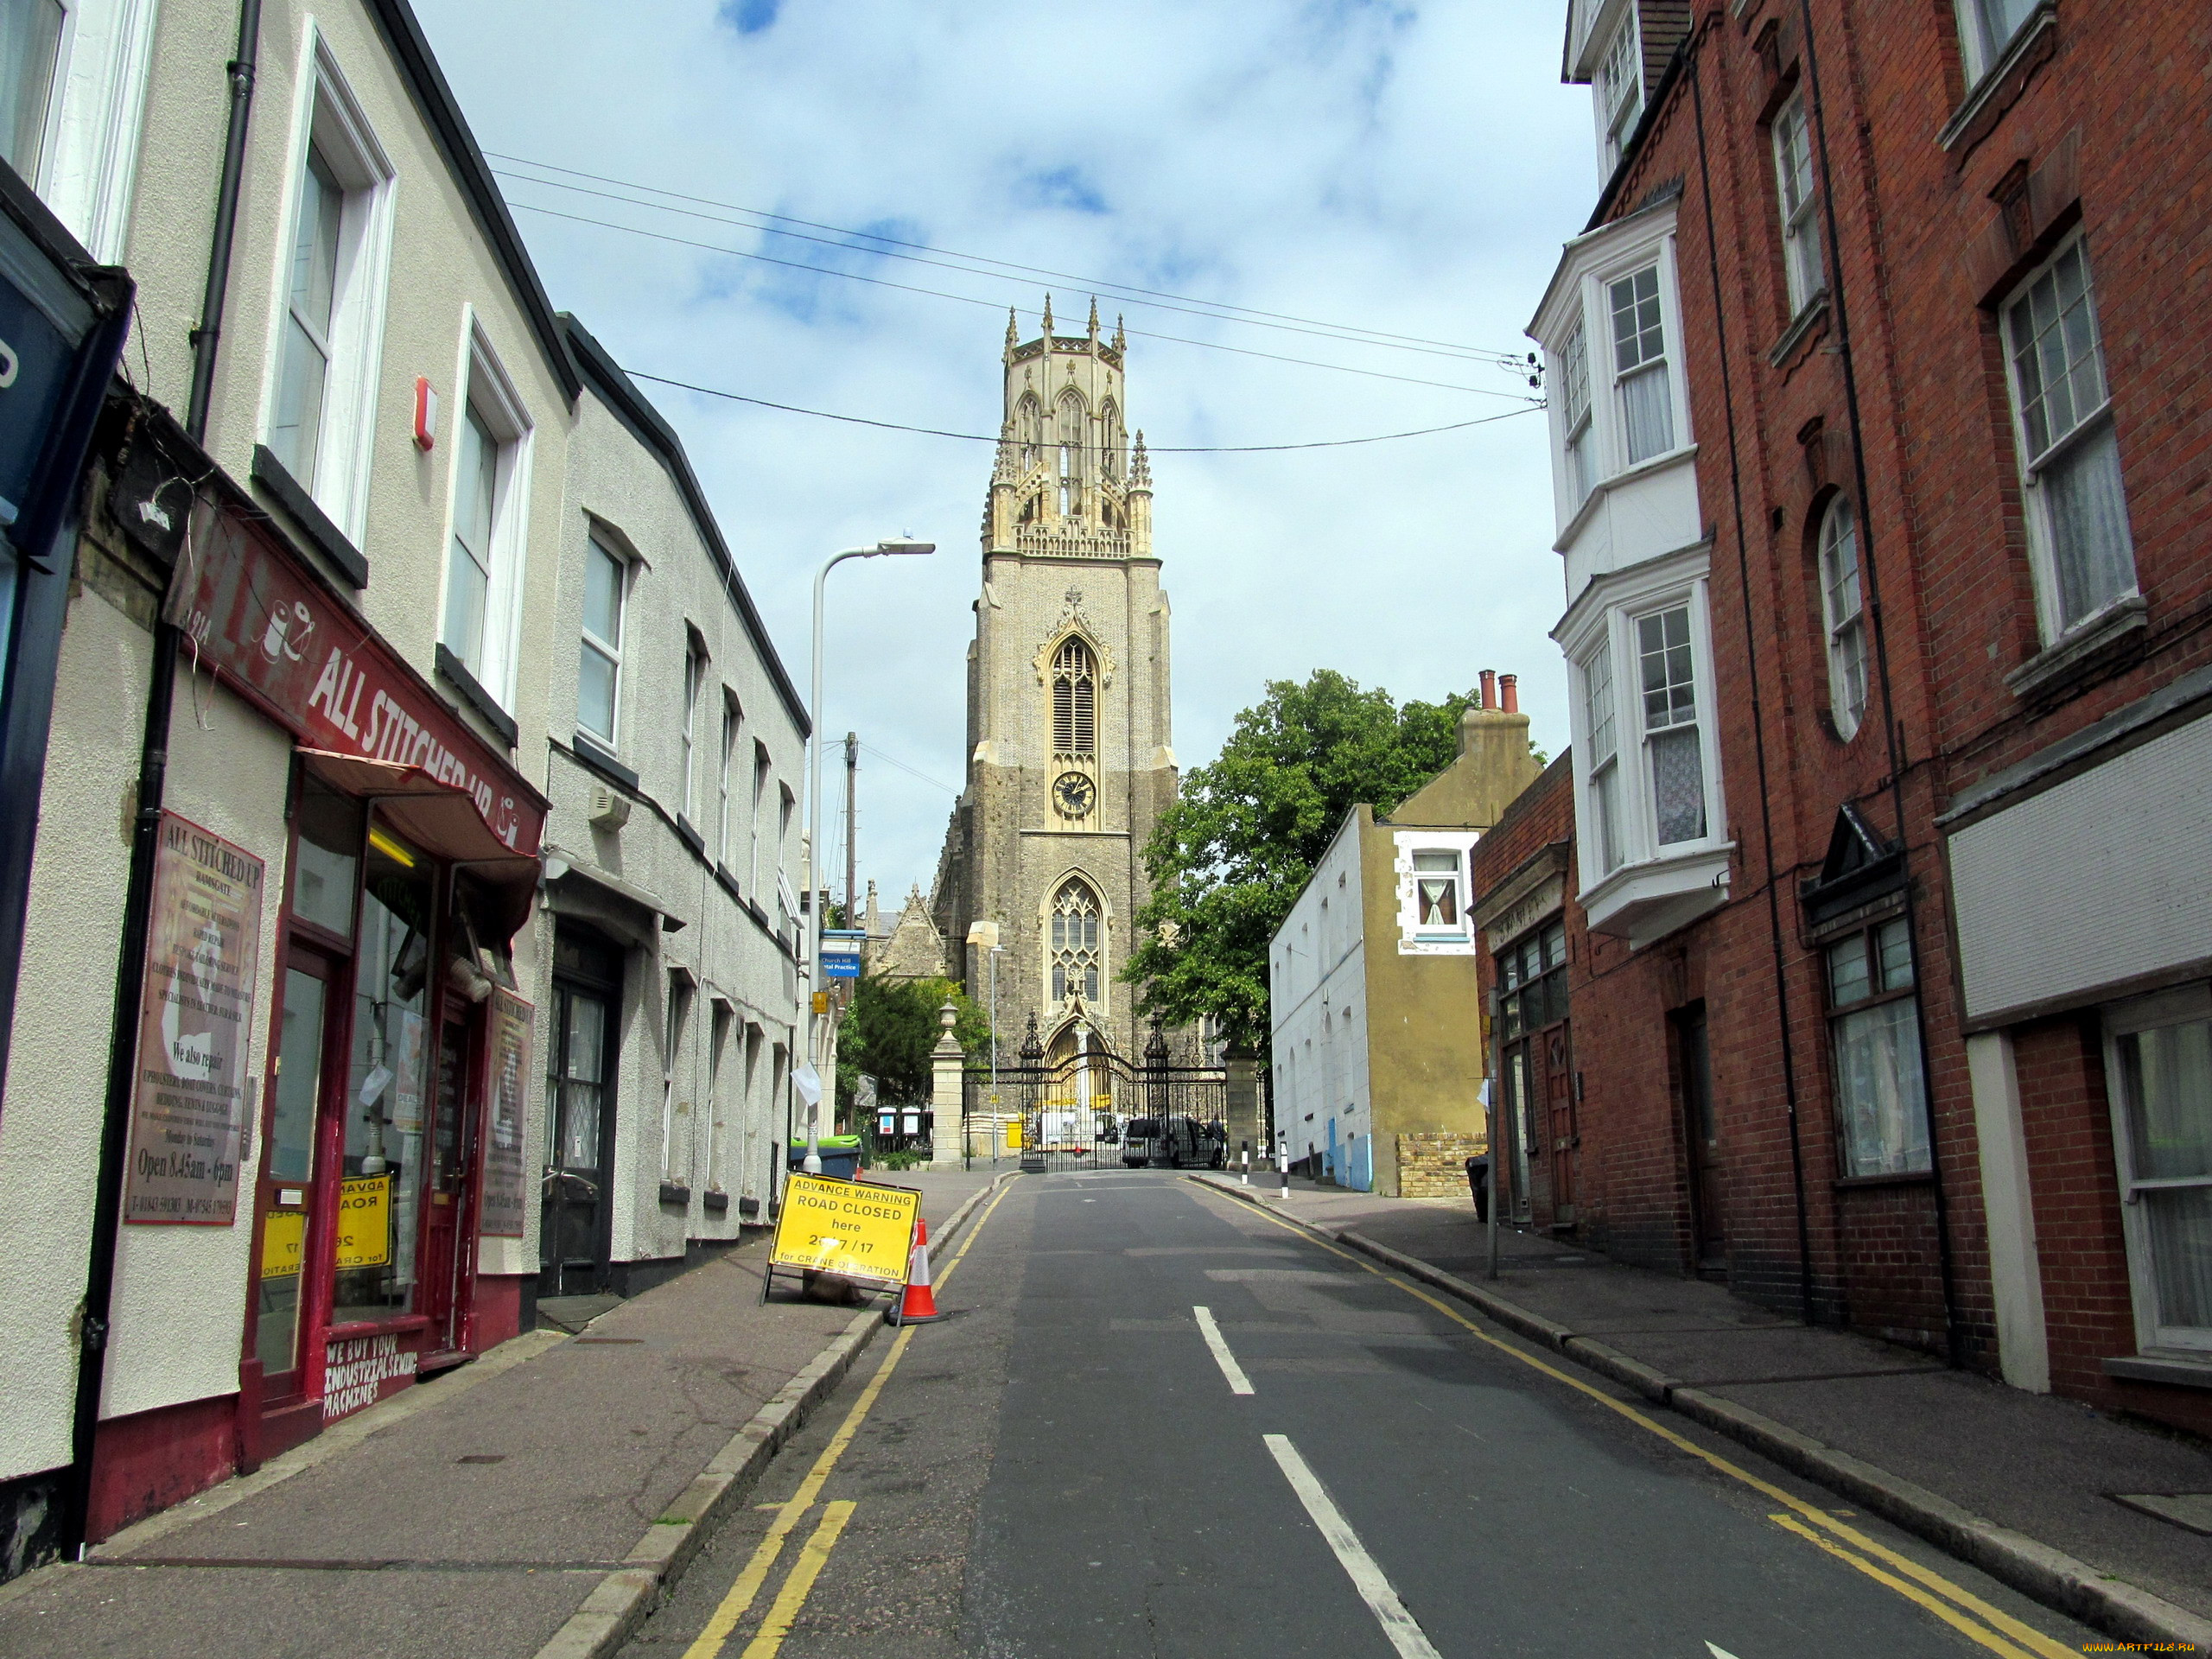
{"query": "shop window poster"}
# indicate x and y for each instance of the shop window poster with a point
(193, 1102)
(506, 1176)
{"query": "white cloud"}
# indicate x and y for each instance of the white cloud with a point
(1411, 169)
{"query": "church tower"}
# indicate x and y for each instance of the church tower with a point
(1068, 739)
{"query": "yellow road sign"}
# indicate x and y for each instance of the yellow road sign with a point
(861, 1231)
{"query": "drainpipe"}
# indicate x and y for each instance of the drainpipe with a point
(138, 905)
(1759, 716)
(1953, 1338)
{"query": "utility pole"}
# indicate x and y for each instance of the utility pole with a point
(852, 852)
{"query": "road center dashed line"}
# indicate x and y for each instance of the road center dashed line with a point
(1218, 1346)
(1398, 1627)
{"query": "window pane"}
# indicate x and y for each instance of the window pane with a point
(603, 595)
(1638, 337)
(30, 35)
(1437, 901)
(1849, 979)
(469, 579)
(324, 859)
(295, 423)
(1894, 943)
(1509, 971)
(1555, 945)
(595, 692)
(1650, 401)
(291, 1140)
(2056, 356)
(1437, 859)
(1879, 1106)
(466, 588)
(314, 246)
(1574, 392)
(2000, 21)
(2179, 1223)
(1598, 705)
(2169, 1087)
(1606, 796)
(1669, 678)
(1678, 785)
(2090, 548)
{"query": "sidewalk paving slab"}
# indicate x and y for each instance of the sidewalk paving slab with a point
(2017, 1483)
(377, 1538)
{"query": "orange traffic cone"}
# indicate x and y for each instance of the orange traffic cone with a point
(918, 1305)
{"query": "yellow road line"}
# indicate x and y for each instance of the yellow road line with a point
(734, 1605)
(2029, 1637)
(812, 1558)
(1957, 1621)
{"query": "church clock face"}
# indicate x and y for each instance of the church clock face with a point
(1072, 794)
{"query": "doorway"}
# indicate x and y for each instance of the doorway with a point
(1701, 1131)
(573, 1224)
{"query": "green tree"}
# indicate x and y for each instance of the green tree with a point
(891, 1030)
(1230, 857)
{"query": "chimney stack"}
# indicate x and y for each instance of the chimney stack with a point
(1490, 688)
(1508, 693)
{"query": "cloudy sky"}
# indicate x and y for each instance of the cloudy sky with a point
(1408, 169)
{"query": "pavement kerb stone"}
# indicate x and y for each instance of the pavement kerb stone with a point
(2050, 1576)
(622, 1599)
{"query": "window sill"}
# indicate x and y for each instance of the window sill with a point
(2167, 1368)
(1644, 902)
(314, 523)
(1988, 99)
(675, 1195)
(692, 838)
(599, 758)
(2115, 631)
(1810, 321)
(1605, 487)
(728, 882)
(716, 1203)
(455, 673)
(1903, 1178)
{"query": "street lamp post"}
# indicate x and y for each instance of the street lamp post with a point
(814, 1046)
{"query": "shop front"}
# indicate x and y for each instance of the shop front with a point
(392, 1130)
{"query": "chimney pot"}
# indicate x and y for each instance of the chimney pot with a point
(1489, 688)
(1508, 693)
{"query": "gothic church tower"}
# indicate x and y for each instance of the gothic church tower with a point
(1068, 739)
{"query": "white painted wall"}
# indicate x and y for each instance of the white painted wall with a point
(1317, 989)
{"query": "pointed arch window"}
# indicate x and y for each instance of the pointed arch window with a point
(1029, 429)
(1109, 429)
(1075, 949)
(1075, 701)
(1071, 439)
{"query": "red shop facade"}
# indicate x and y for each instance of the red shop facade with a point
(392, 1134)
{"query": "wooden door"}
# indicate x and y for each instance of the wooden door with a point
(571, 1256)
(445, 1264)
(1559, 1095)
(1701, 1130)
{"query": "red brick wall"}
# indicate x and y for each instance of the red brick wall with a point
(1944, 545)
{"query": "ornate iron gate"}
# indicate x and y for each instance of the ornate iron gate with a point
(1097, 1110)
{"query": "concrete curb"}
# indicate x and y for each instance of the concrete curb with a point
(622, 1599)
(2050, 1576)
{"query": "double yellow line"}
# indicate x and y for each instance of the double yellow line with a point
(1957, 1606)
(814, 1554)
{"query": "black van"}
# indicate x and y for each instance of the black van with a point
(1166, 1143)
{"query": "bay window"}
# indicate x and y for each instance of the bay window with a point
(1874, 1022)
(1620, 86)
(1574, 416)
(2070, 458)
(2160, 1063)
(1640, 370)
(1671, 737)
(1603, 745)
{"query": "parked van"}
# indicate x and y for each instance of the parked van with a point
(1169, 1143)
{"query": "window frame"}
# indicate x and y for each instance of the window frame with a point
(1848, 721)
(733, 734)
(1409, 848)
(1578, 415)
(2183, 1006)
(1660, 363)
(676, 1022)
(1059, 957)
(90, 135)
(328, 120)
(2034, 465)
(1515, 980)
(487, 389)
(1910, 1078)
(698, 667)
(1980, 50)
(763, 769)
(1617, 117)
(595, 545)
(1803, 261)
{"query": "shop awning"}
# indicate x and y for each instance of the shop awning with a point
(444, 821)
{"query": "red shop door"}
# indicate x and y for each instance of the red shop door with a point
(449, 1258)
(1559, 1100)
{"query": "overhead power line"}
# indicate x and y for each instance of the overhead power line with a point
(1159, 450)
(1221, 310)
(893, 760)
(993, 305)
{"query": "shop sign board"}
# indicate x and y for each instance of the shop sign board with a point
(852, 1228)
(506, 1176)
(192, 1100)
(309, 660)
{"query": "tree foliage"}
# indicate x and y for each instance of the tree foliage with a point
(1230, 857)
(891, 1030)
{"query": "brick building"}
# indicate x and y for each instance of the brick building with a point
(1880, 465)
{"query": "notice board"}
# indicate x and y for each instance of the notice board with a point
(507, 1183)
(853, 1228)
(191, 1101)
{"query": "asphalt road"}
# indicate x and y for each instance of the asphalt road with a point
(1078, 1462)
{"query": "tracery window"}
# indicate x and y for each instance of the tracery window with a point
(1076, 954)
(1109, 427)
(1075, 701)
(1071, 438)
(1029, 429)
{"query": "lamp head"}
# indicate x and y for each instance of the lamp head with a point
(904, 544)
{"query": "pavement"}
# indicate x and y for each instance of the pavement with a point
(1159, 1422)
(477, 1513)
(1935, 1449)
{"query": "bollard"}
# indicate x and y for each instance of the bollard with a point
(1282, 1162)
(1245, 1177)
